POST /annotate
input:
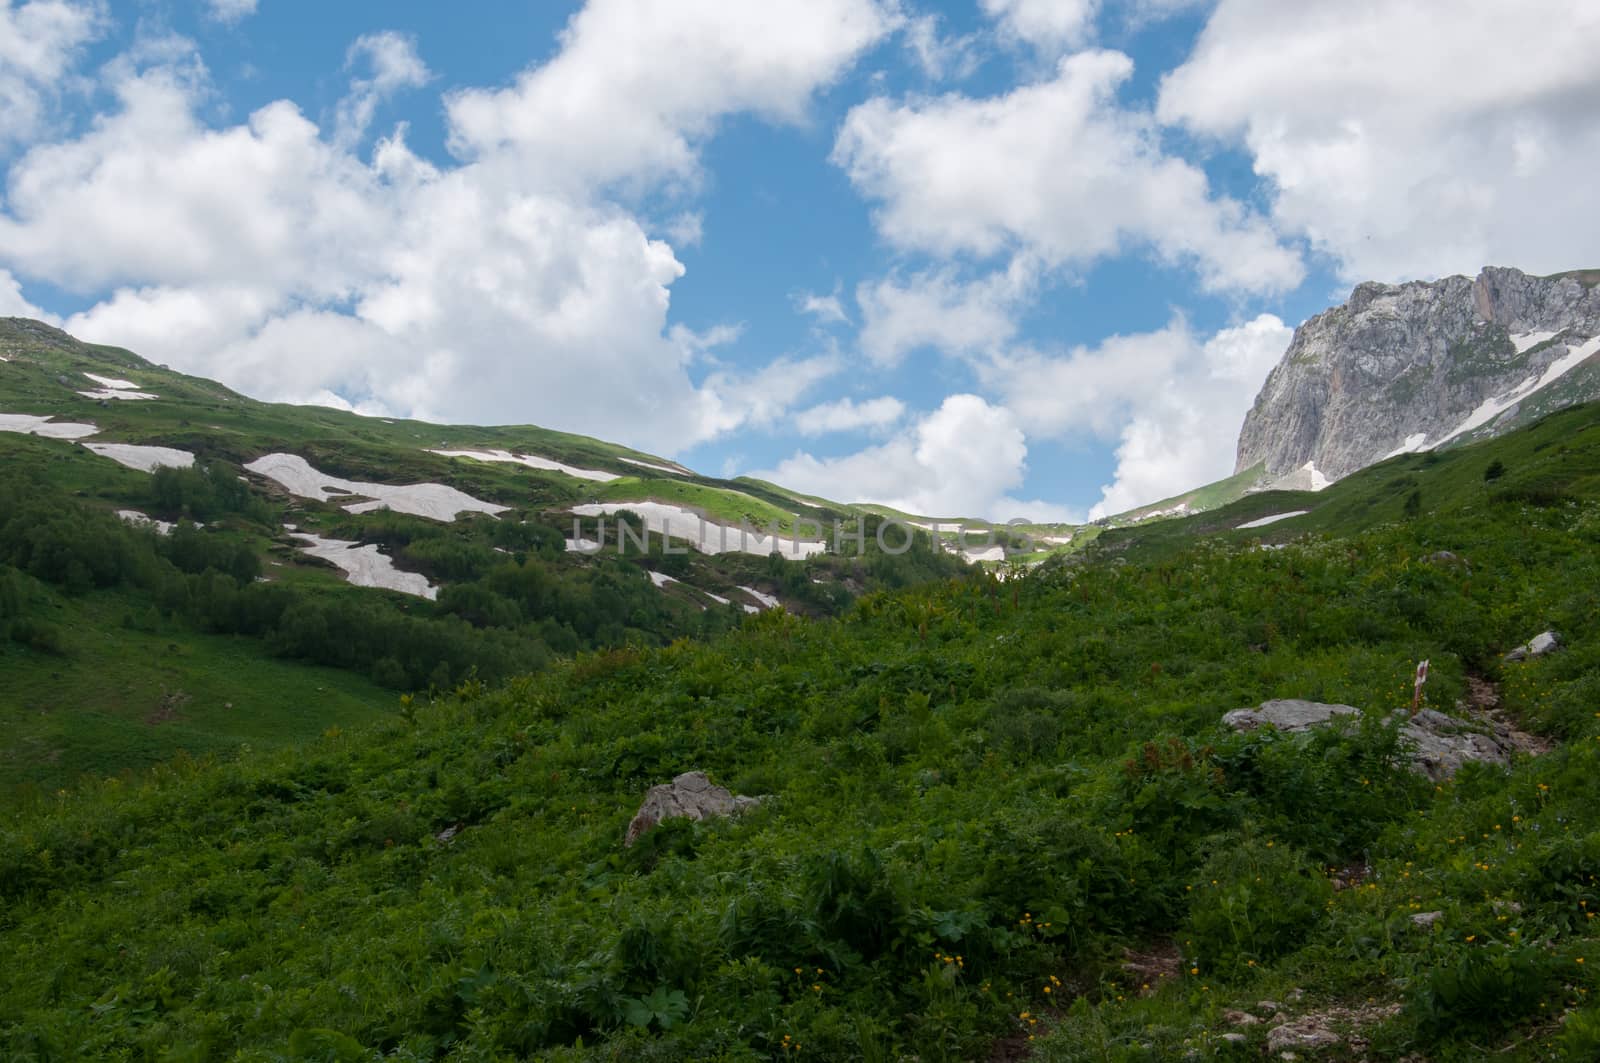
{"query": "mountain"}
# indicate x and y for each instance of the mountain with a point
(994, 822)
(1421, 366)
(185, 568)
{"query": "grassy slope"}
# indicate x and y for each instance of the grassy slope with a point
(981, 795)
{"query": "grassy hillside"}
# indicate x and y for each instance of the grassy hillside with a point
(123, 647)
(999, 820)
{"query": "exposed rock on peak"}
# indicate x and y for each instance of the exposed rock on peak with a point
(1414, 366)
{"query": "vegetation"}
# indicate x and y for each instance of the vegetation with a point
(994, 813)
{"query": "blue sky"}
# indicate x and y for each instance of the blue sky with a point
(986, 257)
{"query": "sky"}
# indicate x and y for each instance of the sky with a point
(995, 258)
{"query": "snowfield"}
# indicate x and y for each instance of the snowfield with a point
(1262, 522)
(112, 382)
(679, 523)
(29, 425)
(115, 393)
(679, 471)
(767, 601)
(1494, 407)
(434, 501)
(367, 566)
(532, 461)
(141, 520)
(145, 459)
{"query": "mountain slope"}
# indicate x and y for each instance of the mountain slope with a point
(154, 526)
(996, 820)
(1422, 365)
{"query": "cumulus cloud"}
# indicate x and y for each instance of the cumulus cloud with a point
(40, 41)
(1055, 169)
(847, 415)
(269, 255)
(1172, 401)
(1412, 139)
(639, 84)
(961, 460)
(12, 302)
(1051, 26)
(941, 310)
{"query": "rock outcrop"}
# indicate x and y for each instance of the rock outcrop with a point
(1415, 366)
(690, 796)
(1439, 744)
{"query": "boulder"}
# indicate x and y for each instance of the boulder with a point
(1426, 919)
(1538, 646)
(1287, 714)
(1440, 744)
(688, 796)
(1308, 1032)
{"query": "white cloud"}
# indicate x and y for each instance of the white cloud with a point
(268, 255)
(939, 310)
(958, 461)
(639, 84)
(827, 309)
(12, 302)
(938, 54)
(1411, 139)
(40, 41)
(1179, 412)
(230, 11)
(395, 65)
(1057, 170)
(1052, 26)
(847, 415)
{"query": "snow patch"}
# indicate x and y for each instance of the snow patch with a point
(660, 579)
(582, 546)
(1412, 444)
(988, 553)
(367, 566)
(679, 471)
(434, 501)
(1491, 408)
(531, 461)
(115, 383)
(145, 459)
(719, 599)
(679, 523)
(111, 393)
(767, 601)
(1529, 340)
(1262, 522)
(29, 425)
(142, 520)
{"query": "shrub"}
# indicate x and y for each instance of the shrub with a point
(1252, 901)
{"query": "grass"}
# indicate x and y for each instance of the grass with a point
(122, 699)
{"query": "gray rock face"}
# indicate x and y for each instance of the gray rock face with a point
(691, 796)
(1538, 646)
(1405, 367)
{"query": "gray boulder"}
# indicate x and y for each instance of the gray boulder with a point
(688, 796)
(1439, 744)
(1540, 645)
(1287, 714)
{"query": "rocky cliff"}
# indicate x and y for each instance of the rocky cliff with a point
(1422, 365)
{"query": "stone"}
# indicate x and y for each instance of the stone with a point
(1439, 744)
(688, 796)
(1234, 1038)
(1239, 1018)
(1426, 919)
(1445, 557)
(1287, 714)
(1300, 1033)
(1401, 367)
(1541, 644)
